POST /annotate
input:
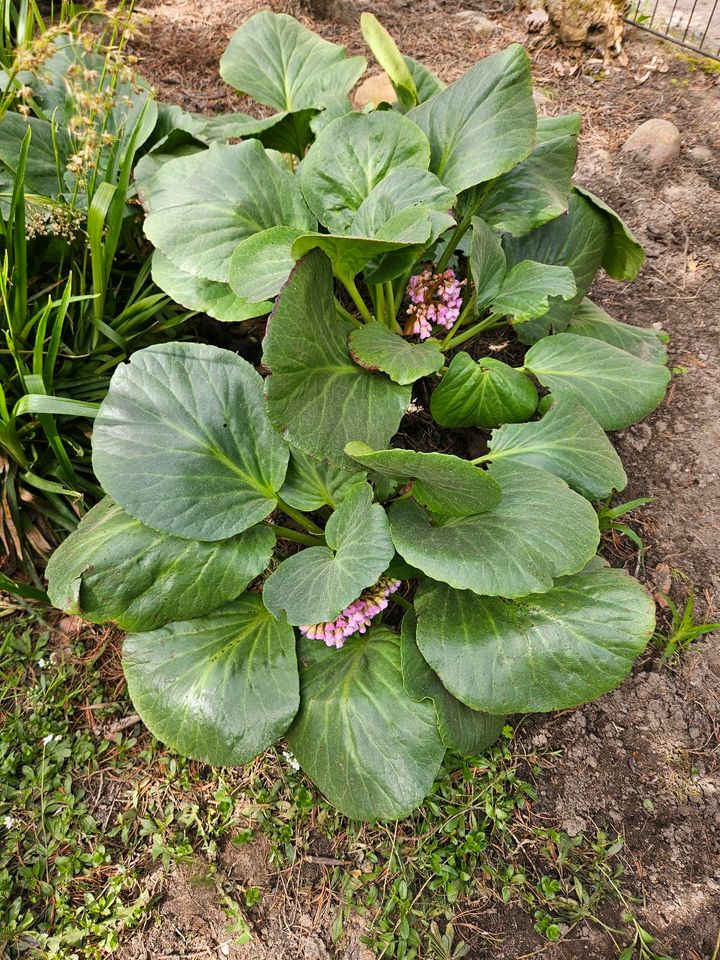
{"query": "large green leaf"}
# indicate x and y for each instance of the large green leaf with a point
(548, 651)
(536, 190)
(203, 205)
(280, 63)
(484, 123)
(577, 240)
(445, 484)
(114, 568)
(351, 156)
(291, 134)
(333, 108)
(288, 133)
(569, 443)
(402, 188)
(487, 263)
(482, 393)
(528, 287)
(462, 729)
(182, 442)
(230, 126)
(43, 171)
(372, 750)
(390, 59)
(208, 296)
(375, 347)
(311, 484)
(405, 233)
(540, 530)
(263, 262)
(316, 584)
(616, 387)
(426, 83)
(316, 394)
(221, 688)
(623, 255)
(590, 320)
(404, 212)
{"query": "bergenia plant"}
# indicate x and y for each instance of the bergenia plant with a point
(285, 569)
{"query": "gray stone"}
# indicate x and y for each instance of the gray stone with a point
(701, 154)
(656, 143)
(477, 22)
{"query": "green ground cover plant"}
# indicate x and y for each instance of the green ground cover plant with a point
(88, 810)
(281, 567)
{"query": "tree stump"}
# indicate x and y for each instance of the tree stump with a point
(317, 9)
(592, 23)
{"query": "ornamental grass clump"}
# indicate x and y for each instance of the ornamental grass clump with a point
(285, 564)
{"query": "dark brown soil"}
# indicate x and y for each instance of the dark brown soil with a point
(643, 760)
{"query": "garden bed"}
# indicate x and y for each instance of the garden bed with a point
(641, 762)
(580, 826)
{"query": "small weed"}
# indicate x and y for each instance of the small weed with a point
(640, 947)
(682, 630)
(609, 520)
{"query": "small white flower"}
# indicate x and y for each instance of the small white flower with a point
(42, 663)
(58, 737)
(9, 822)
(48, 739)
(291, 761)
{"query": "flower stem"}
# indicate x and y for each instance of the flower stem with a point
(403, 602)
(390, 306)
(349, 285)
(285, 533)
(300, 517)
(487, 324)
(380, 303)
(455, 238)
(345, 314)
(461, 321)
(400, 291)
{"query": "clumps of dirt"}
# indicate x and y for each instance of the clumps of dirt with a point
(674, 455)
(191, 922)
(247, 864)
(195, 916)
(643, 761)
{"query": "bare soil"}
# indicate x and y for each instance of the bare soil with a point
(643, 760)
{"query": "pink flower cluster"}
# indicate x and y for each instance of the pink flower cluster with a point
(434, 299)
(355, 618)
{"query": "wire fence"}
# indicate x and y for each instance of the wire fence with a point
(694, 24)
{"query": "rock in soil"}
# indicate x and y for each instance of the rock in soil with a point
(477, 22)
(375, 90)
(701, 154)
(655, 142)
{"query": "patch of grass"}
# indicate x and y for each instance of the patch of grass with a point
(612, 527)
(90, 807)
(682, 629)
(62, 879)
